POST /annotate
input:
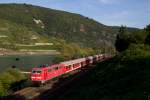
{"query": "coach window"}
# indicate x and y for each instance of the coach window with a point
(69, 66)
(56, 68)
(49, 70)
(59, 67)
(74, 65)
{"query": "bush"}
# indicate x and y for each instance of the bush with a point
(136, 51)
(2, 90)
(9, 78)
(16, 74)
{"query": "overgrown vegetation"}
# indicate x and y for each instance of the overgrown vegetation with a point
(9, 79)
(125, 39)
(124, 77)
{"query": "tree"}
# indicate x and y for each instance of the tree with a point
(147, 30)
(121, 40)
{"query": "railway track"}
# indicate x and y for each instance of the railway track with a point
(51, 90)
(30, 92)
(34, 93)
(55, 93)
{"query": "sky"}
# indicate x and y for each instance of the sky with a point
(132, 13)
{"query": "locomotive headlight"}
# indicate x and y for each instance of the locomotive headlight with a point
(35, 77)
(38, 77)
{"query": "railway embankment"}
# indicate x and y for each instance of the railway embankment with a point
(125, 77)
(51, 89)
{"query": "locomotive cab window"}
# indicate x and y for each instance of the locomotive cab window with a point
(36, 72)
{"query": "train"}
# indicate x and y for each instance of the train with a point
(42, 74)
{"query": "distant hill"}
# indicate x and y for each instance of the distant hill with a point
(22, 23)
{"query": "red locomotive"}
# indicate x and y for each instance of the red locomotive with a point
(44, 73)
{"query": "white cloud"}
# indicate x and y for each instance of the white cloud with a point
(109, 1)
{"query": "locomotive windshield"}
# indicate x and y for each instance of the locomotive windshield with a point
(36, 72)
(40, 66)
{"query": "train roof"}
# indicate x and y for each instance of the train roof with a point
(73, 61)
(89, 57)
(101, 54)
(96, 55)
(41, 67)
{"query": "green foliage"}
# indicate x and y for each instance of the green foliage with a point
(136, 52)
(71, 51)
(122, 29)
(9, 77)
(147, 30)
(124, 39)
(2, 90)
(16, 74)
(125, 77)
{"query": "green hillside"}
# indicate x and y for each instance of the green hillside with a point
(15, 36)
(21, 22)
(11, 32)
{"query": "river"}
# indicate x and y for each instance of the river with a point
(24, 63)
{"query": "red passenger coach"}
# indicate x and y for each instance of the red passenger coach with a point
(89, 60)
(44, 73)
(100, 57)
(74, 64)
(95, 58)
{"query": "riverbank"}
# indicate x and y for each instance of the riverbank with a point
(28, 52)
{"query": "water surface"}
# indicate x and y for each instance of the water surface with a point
(24, 62)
